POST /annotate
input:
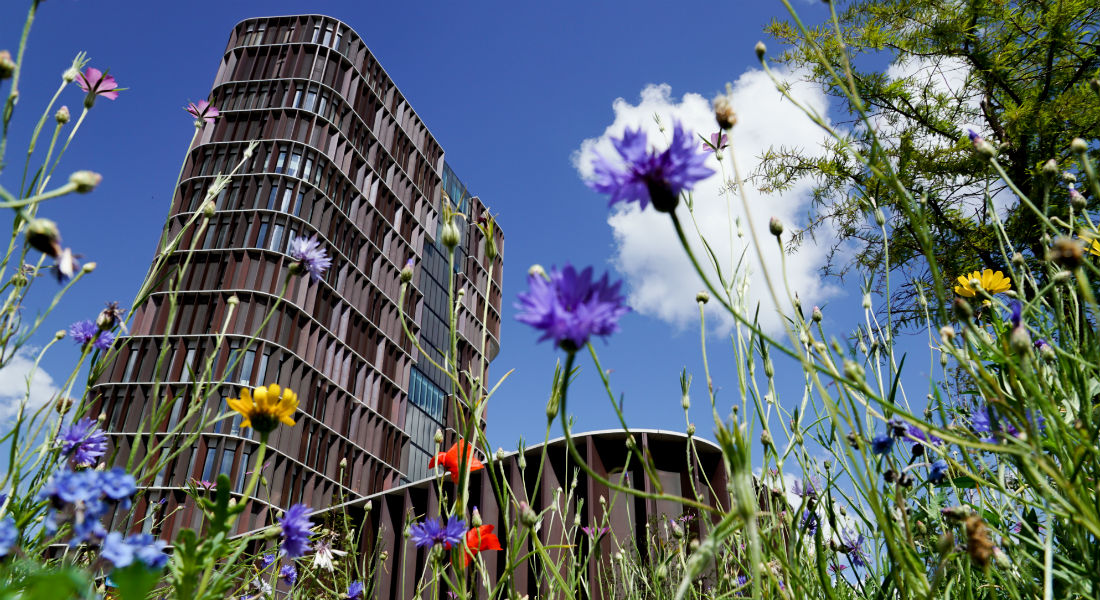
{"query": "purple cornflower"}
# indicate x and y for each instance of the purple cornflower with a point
(288, 574)
(718, 141)
(853, 547)
(203, 111)
(595, 532)
(1041, 343)
(938, 471)
(9, 535)
(97, 83)
(805, 488)
(266, 560)
(650, 176)
(882, 443)
(432, 531)
(82, 442)
(294, 528)
(355, 591)
(985, 419)
(86, 331)
(569, 307)
(920, 439)
(310, 255)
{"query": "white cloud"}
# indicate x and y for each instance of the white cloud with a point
(660, 279)
(13, 385)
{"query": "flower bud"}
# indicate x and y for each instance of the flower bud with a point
(685, 402)
(85, 181)
(343, 463)
(816, 315)
(866, 303)
(500, 454)
(7, 65)
(766, 438)
(760, 50)
(209, 209)
(1018, 259)
(233, 300)
(983, 148)
(962, 309)
(438, 436)
(552, 407)
(702, 297)
(521, 461)
(724, 113)
(1078, 146)
(109, 317)
(88, 267)
(691, 429)
(852, 370)
(62, 115)
(43, 235)
(947, 333)
(475, 518)
(407, 271)
(1094, 83)
(449, 236)
(1076, 200)
(1050, 168)
(775, 226)
(880, 217)
(527, 515)
(537, 270)
(1020, 339)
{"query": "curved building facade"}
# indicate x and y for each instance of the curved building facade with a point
(342, 157)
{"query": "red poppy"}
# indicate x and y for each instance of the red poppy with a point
(449, 460)
(478, 539)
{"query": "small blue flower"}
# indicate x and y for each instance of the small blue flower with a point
(938, 471)
(310, 255)
(86, 331)
(853, 547)
(117, 551)
(82, 442)
(569, 307)
(294, 528)
(266, 560)
(810, 521)
(650, 176)
(433, 531)
(355, 591)
(118, 485)
(9, 535)
(148, 550)
(882, 443)
(1016, 316)
(288, 574)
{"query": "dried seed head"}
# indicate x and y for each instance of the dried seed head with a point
(1067, 253)
(724, 113)
(979, 545)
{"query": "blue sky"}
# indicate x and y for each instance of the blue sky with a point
(511, 90)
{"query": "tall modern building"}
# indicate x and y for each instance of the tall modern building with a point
(342, 157)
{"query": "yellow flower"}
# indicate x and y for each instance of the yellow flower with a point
(1094, 246)
(264, 408)
(993, 282)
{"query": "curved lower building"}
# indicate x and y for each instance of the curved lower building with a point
(342, 157)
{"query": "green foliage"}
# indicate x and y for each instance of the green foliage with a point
(1018, 72)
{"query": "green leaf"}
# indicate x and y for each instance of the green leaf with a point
(135, 581)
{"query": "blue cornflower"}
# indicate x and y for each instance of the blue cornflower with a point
(70, 487)
(938, 471)
(311, 256)
(288, 574)
(810, 521)
(83, 443)
(433, 531)
(918, 435)
(266, 560)
(569, 307)
(9, 535)
(355, 591)
(882, 443)
(294, 528)
(650, 176)
(118, 485)
(853, 547)
(1017, 314)
(985, 419)
(86, 331)
(117, 551)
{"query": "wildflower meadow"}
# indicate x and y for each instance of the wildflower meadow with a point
(979, 479)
